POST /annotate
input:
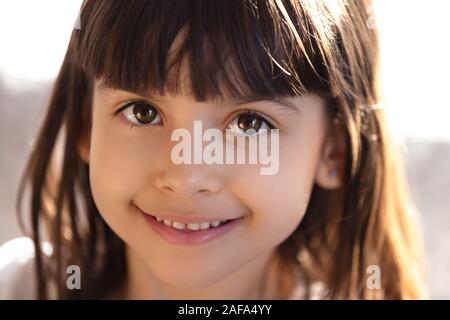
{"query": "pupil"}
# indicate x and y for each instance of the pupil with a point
(144, 113)
(249, 121)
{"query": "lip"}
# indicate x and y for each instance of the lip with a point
(189, 237)
(186, 218)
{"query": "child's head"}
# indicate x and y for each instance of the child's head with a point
(137, 70)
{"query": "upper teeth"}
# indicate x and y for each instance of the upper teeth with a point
(191, 226)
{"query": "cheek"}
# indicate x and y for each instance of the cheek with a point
(120, 159)
(278, 202)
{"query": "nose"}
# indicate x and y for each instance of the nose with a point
(186, 181)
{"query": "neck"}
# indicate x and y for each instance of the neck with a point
(257, 280)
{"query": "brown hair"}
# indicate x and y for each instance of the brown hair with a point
(274, 48)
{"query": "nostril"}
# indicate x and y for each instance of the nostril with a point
(168, 188)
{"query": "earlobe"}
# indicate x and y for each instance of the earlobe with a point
(330, 169)
(83, 149)
(328, 177)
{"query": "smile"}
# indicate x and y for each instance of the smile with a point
(193, 226)
(191, 233)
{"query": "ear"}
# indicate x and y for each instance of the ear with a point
(83, 147)
(84, 142)
(331, 166)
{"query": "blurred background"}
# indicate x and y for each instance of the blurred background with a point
(415, 49)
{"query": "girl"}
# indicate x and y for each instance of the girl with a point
(333, 222)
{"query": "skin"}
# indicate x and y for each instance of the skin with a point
(131, 167)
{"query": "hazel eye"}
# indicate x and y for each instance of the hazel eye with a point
(249, 123)
(141, 114)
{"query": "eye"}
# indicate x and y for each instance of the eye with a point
(249, 123)
(141, 113)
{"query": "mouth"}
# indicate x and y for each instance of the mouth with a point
(192, 226)
(193, 232)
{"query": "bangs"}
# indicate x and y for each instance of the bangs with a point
(234, 47)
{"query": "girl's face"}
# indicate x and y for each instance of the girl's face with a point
(132, 172)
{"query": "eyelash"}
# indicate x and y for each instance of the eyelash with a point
(129, 104)
(254, 113)
(241, 112)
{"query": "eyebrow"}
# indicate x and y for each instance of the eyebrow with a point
(144, 94)
(281, 101)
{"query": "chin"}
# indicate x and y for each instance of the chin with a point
(192, 276)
